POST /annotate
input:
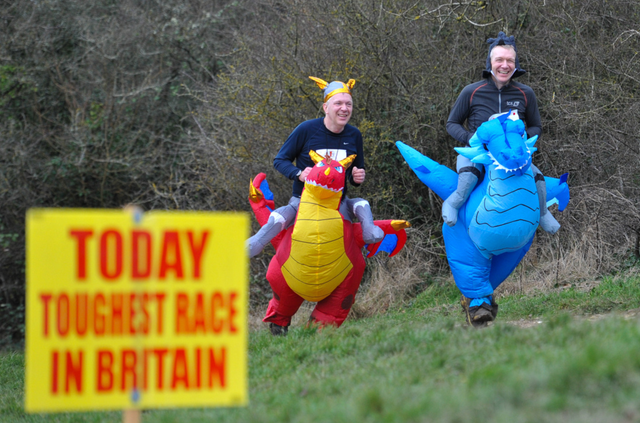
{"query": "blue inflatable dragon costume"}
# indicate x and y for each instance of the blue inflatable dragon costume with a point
(496, 225)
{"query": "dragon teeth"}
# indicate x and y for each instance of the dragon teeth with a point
(314, 183)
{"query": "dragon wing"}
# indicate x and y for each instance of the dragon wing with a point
(262, 204)
(558, 191)
(442, 180)
(394, 237)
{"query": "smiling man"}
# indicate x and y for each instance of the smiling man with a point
(496, 93)
(331, 136)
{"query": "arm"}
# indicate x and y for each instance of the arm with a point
(532, 117)
(457, 117)
(358, 162)
(289, 152)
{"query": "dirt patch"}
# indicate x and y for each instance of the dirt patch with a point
(524, 323)
(633, 314)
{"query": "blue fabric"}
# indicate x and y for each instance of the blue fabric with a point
(558, 191)
(388, 244)
(479, 301)
(497, 223)
(439, 178)
(266, 191)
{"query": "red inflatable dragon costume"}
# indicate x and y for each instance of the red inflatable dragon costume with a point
(319, 258)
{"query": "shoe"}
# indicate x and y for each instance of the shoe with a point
(277, 330)
(494, 308)
(479, 315)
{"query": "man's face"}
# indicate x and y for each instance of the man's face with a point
(338, 110)
(503, 63)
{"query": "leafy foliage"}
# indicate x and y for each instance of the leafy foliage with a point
(174, 105)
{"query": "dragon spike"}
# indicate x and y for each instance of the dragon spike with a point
(483, 158)
(400, 224)
(471, 152)
(503, 117)
(320, 82)
(531, 141)
(351, 83)
(254, 194)
(317, 158)
(346, 162)
(474, 141)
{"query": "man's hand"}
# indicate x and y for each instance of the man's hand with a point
(358, 175)
(304, 174)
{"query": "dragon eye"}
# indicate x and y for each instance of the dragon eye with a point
(320, 164)
(338, 168)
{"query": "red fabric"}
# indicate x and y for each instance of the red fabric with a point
(332, 310)
(263, 207)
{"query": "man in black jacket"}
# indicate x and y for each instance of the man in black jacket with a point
(495, 94)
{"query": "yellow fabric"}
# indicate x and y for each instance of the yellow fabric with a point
(320, 82)
(344, 88)
(318, 262)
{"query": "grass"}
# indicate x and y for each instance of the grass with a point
(421, 364)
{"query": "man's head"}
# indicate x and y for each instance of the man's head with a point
(503, 64)
(502, 60)
(338, 103)
(337, 112)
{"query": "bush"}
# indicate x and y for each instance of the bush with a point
(175, 105)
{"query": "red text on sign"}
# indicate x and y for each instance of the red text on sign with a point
(135, 254)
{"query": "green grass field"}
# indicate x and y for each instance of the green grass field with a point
(570, 356)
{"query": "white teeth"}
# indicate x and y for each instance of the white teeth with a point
(314, 183)
(501, 167)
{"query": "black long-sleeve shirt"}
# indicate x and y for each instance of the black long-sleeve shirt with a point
(479, 101)
(313, 135)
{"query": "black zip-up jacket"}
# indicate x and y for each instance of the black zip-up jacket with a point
(478, 101)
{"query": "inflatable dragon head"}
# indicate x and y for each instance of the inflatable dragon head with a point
(327, 177)
(502, 142)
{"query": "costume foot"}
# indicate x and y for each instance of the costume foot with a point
(253, 247)
(479, 311)
(549, 223)
(278, 220)
(372, 234)
(449, 214)
(467, 180)
(277, 330)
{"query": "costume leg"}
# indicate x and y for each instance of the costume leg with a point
(468, 176)
(504, 264)
(471, 271)
(279, 219)
(334, 309)
(360, 208)
(547, 221)
(285, 303)
(470, 268)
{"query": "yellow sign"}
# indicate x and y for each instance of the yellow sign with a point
(134, 311)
